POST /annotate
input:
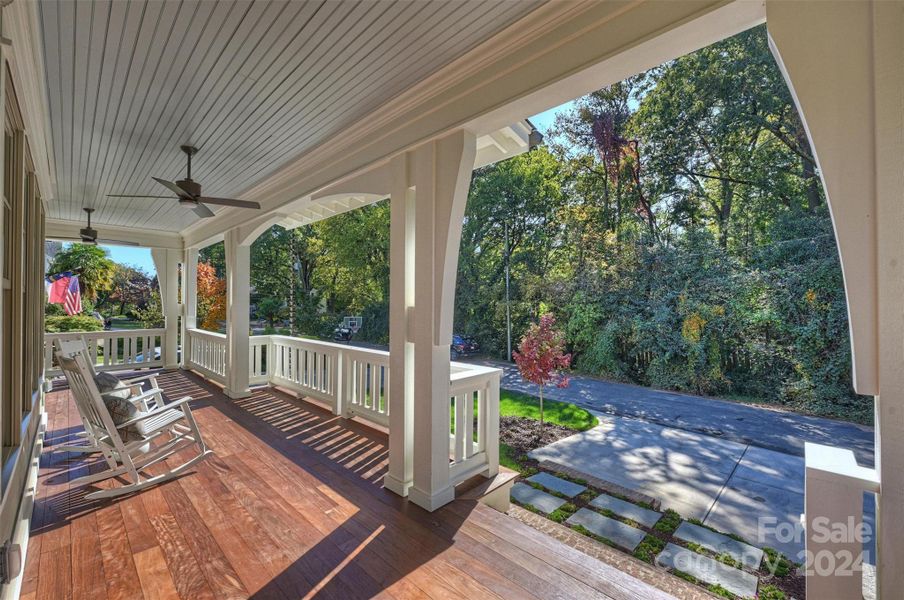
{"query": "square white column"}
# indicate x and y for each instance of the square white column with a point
(238, 288)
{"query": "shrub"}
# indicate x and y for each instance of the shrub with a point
(57, 324)
(770, 592)
(668, 523)
(649, 548)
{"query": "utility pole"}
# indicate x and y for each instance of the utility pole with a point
(292, 260)
(508, 309)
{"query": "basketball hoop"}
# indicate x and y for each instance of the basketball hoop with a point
(352, 323)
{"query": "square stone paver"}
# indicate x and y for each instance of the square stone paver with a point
(539, 499)
(706, 569)
(747, 555)
(644, 516)
(623, 536)
(557, 484)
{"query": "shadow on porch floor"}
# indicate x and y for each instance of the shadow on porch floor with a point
(290, 506)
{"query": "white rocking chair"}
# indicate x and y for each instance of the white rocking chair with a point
(173, 426)
(143, 400)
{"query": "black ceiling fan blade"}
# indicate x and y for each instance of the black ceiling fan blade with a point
(138, 196)
(203, 212)
(230, 202)
(174, 188)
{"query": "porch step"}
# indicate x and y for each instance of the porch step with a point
(493, 491)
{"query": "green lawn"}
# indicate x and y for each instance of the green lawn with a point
(516, 404)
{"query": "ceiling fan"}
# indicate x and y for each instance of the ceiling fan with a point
(89, 234)
(188, 192)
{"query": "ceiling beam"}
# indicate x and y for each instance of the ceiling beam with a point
(68, 231)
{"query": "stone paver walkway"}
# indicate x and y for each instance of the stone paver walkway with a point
(622, 535)
(706, 569)
(639, 514)
(557, 484)
(746, 554)
(539, 499)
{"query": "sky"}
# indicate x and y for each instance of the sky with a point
(547, 119)
(135, 257)
(141, 257)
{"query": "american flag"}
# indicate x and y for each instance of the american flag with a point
(64, 289)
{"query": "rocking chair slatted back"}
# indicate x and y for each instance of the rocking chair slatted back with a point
(88, 399)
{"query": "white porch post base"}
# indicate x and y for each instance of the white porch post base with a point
(236, 395)
(396, 486)
(432, 501)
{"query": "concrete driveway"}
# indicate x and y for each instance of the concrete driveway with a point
(733, 487)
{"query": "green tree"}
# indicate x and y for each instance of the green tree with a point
(92, 263)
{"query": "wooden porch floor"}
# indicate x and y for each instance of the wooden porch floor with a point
(291, 506)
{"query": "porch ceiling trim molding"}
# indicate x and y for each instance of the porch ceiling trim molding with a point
(68, 231)
(558, 52)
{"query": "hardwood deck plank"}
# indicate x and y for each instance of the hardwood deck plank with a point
(87, 561)
(120, 575)
(221, 577)
(186, 574)
(253, 554)
(56, 581)
(156, 582)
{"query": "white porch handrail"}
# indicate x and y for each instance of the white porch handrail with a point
(111, 350)
(206, 353)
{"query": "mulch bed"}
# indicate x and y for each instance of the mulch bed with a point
(525, 434)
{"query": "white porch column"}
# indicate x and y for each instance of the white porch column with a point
(400, 474)
(426, 233)
(189, 301)
(238, 288)
(845, 67)
(167, 264)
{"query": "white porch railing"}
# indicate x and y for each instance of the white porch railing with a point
(355, 383)
(474, 434)
(111, 350)
(206, 353)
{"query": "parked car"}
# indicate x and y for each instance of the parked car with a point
(463, 346)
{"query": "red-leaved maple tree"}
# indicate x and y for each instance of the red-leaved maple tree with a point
(541, 356)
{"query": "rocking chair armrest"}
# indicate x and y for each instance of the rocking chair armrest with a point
(145, 395)
(183, 404)
(135, 380)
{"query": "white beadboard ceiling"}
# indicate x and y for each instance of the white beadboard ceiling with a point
(252, 84)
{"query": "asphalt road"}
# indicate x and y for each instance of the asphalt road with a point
(753, 425)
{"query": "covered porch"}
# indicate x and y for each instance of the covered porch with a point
(302, 500)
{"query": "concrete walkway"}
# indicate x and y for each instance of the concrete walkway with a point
(728, 485)
(766, 428)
